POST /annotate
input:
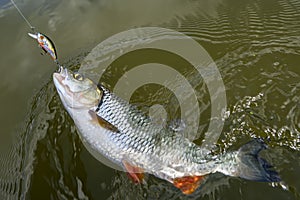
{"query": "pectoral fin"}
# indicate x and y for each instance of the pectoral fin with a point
(136, 174)
(102, 122)
(188, 184)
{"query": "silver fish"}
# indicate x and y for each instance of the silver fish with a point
(111, 127)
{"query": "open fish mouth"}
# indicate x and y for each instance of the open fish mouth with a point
(59, 78)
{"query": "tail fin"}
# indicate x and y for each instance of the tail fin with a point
(251, 166)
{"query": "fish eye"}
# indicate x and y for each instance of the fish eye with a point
(78, 76)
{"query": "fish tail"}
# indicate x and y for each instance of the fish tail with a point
(251, 166)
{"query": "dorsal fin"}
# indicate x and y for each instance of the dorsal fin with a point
(102, 122)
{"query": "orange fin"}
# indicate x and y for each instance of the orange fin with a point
(188, 184)
(136, 174)
(102, 122)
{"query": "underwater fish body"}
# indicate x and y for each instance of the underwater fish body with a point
(111, 127)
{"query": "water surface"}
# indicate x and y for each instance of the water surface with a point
(255, 44)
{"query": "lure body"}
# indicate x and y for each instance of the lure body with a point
(46, 44)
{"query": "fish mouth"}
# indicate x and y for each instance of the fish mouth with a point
(73, 93)
(58, 78)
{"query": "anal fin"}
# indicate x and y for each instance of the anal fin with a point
(188, 184)
(136, 174)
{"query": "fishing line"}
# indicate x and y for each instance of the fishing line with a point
(30, 26)
(44, 42)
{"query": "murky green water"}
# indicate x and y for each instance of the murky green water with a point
(255, 45)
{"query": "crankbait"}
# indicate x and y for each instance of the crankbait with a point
(44, 42)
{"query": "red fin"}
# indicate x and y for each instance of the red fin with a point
(188, 184)
(136, 174)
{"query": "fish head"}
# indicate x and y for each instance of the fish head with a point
(75, 90)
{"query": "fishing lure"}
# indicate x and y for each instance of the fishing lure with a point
(46, 44)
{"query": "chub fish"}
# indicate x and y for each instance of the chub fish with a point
(120, 132)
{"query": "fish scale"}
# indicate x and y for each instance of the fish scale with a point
(165, 142)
